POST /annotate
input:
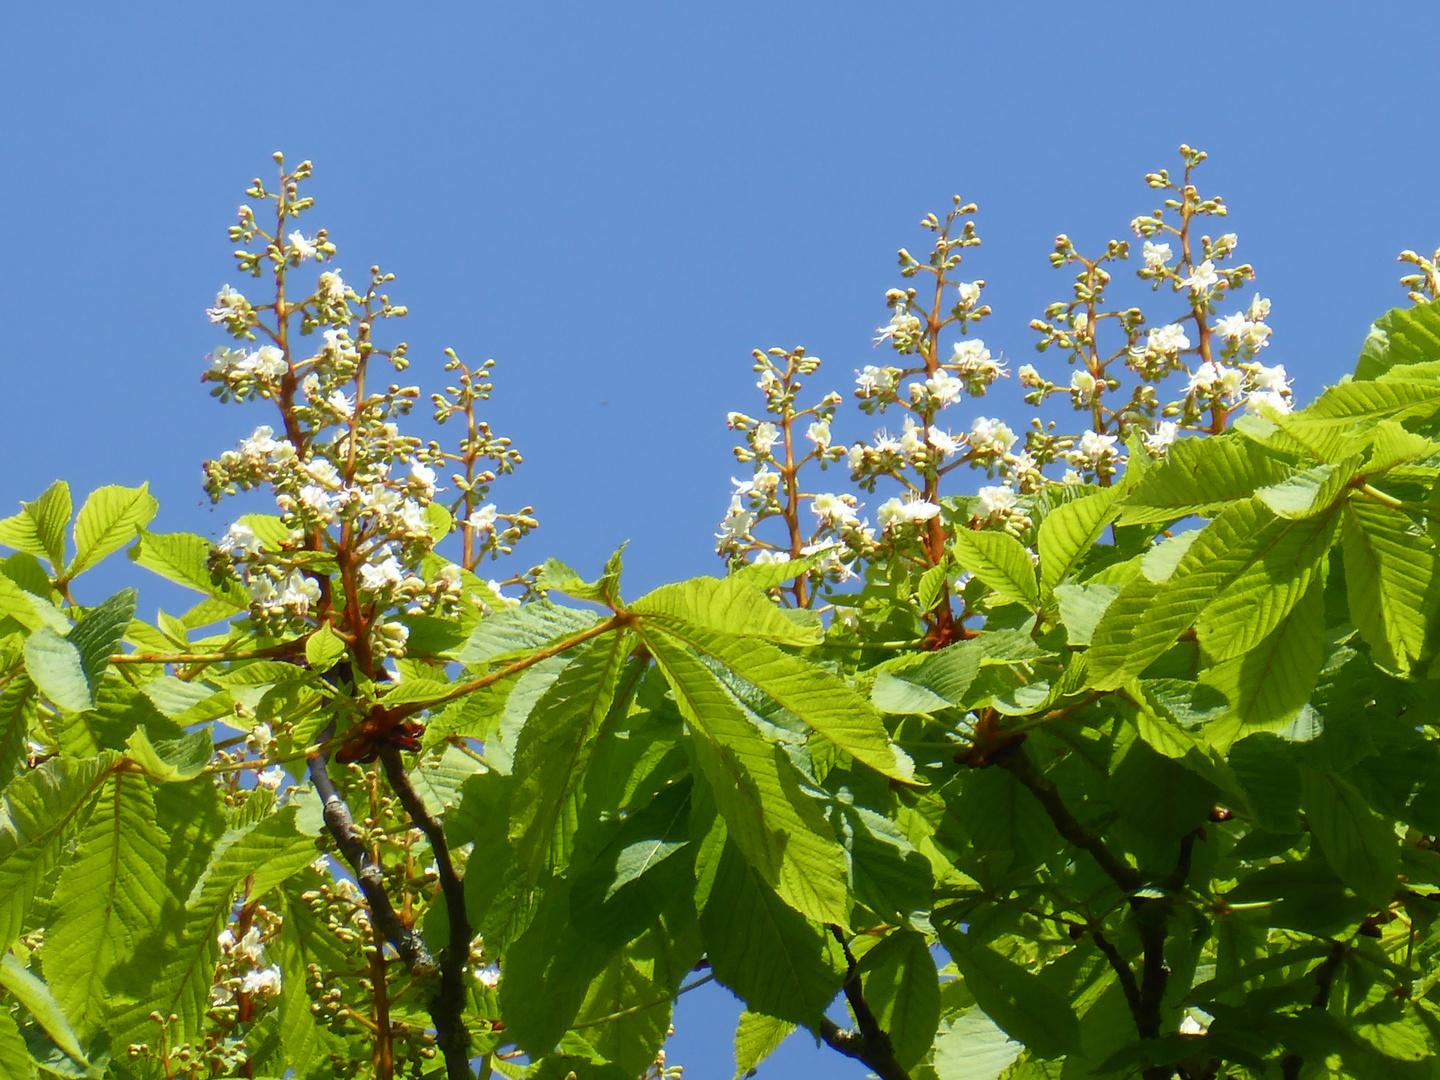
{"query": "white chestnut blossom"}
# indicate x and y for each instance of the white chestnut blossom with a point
(1167, 340)
(991, 436)
(482, 520)
(240, 540)
(1270, 379)
(897, 511)
(945, 443)
(1202, 279)
(303, 249)
(1164, 435)
(994, 501)
(264, 982)
(835, 509)
(764, 437)
(1157, 256)
(819, 434)
(969, 292)
(332, 287)
(1083, 383)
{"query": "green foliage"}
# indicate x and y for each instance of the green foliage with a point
(1137, 777)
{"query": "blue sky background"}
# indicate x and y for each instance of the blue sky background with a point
(618, 202)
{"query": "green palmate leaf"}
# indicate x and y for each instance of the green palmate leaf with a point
(823, 701)
(903, 990)
(188, 702)
(1359, 843)
(15, 1060)
(1242, 548)
(1001, 562)
(36, 998)
(173, 760)
(54, 665)
(897, 694)
(621, 891)
(1022, 1006)
(1310, 491)
(732, 606)
(1199, 475)
(1342, 407)
(107, 522)
(1082, 607)
(110, 899)
(1069, 532)
(972, 1047)
(757, 1036)
(626, 1013)
(38, 815)
(1400, 337)
(522, 629)
(183, 559)
(557, 743)
(323, 649)
(1259, 597)
(30, 610)
(556, 575)
(180, 966)
(1390, 579)
(774, 959)
(17, 710)
(778, 827)
(99, 632)
(769, 575)
(39, 528)
(1268, 685)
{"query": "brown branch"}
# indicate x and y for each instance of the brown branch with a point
(368, 874)
(1017, 763)
(1291, 1064)
(447, 1006)
(870, 1045)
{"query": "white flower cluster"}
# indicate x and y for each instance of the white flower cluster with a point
(244, 967)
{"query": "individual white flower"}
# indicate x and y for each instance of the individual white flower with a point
(303, 248)
(990, 435)
(299, 593)
(250, 947)
(488, 976)
(897, 511)
(874, 380)
(310, 387)
(412, 518)
(1273, 399)
(1072, 477)
(969, 292)
(266, 362)
(942, 388)
(971, 355)
(1083, 383)
(483, 519)
(332, 287)
(260, 444)
(341, 403)
(450, 578)
(1271, 378)
(323, 472)
(319, 502)
(902, 324)
(764, 481)
(1232, 380)
(767, 558)
(423, 477)
(1203, 378)
(377, 577)
(736, 523)
(1157, 256)
(264, 982)
(1029, 377)
(240, 539)
(1257, 337)
(1080, 320)
(769, 382)
(1167, 340)
(1203, 279)
(1094, 448)
(910, 440)
(1233, 327)
(944, 442)
(1159, 440)
(831, 509)
(885, 443)
(991, 502)
(764, 437)
(1259, 308)
(229, 304)
(271, 777)
(819, 434)
(380, 500)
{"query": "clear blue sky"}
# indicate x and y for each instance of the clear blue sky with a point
(618, 202)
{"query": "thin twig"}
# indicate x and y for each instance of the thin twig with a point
(447, 1007)
(870, 1045)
